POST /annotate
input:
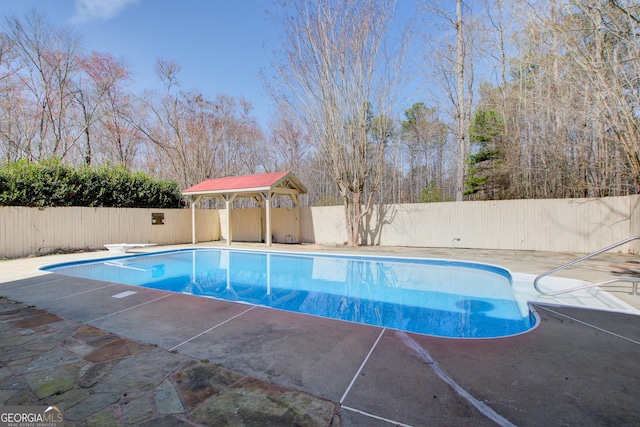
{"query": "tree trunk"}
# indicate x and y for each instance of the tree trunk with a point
(461, 107)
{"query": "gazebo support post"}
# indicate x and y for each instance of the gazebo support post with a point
(194, 201)
(296, 206)
(268, 218)
(267, 201)
(228, 200)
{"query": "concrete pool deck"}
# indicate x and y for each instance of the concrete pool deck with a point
(160, 358)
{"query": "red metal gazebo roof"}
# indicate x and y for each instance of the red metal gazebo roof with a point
(274, 181)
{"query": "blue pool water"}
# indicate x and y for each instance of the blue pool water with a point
(435, 297)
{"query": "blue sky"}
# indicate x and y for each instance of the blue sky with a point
(221, 44)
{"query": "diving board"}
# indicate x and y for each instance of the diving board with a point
(121, 248)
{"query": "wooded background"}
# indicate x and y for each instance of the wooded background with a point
(523, 99)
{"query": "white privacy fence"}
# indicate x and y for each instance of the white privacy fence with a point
(557, 225)
(29, 231)
(562, 225)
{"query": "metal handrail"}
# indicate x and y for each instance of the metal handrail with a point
(590, 285)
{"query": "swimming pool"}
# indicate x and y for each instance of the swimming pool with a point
(445, 298)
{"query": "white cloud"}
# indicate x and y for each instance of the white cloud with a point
(87, 10)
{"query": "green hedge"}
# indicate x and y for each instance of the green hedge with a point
(51, 183)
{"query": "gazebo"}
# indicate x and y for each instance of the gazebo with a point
(261, 187)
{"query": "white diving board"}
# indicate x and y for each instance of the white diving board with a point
(120, 248)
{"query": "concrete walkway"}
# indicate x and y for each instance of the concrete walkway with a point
(160, 358)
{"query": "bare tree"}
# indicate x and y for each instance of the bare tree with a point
(47, 61)
(571, 115)
(602, 39)
(196, 138)
(291, 143)
(17, 130)
(462, 105)
(424, 136)
(335, 75)
(104, 106)
(450, 64)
